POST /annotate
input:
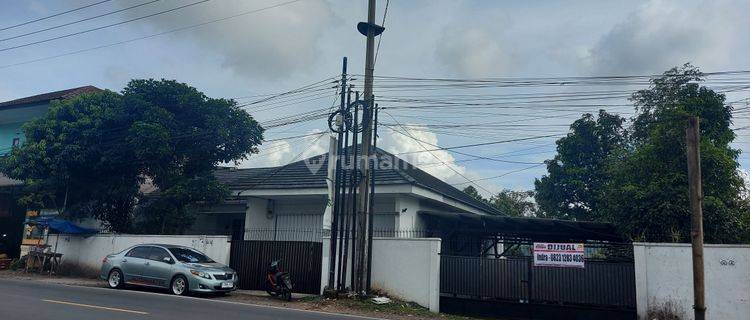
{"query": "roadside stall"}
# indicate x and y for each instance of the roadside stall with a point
(43, 256)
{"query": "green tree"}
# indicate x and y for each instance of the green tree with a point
(648, 196)
(88, 156)
(474, 193)
(578, 173)
(637, 178)
(515, 203)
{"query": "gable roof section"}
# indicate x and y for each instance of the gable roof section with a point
(45, 97)
(298, 175)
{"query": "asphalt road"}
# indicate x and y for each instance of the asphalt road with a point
(42, 301)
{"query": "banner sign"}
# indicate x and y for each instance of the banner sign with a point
(568, 255)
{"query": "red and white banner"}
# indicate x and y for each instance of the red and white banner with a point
(568, 255)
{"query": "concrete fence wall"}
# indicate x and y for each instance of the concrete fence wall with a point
(90, 251)
(664, 275)
(404, 268)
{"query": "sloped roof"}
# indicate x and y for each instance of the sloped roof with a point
(62, 94)
(298, 175)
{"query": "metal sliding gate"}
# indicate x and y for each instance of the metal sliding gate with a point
(474, 283)
(302, 260)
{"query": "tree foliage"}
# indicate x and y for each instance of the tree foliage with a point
(510, 202)
(515, 203)
(637, 177)
(578, 171)
(90, 155)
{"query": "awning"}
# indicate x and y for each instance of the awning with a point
(535, 229)
(61, 226)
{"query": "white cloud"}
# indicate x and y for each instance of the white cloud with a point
(474, 52)
(281, 152)
(661, 34)
(38, 7)
(271, 44)
(439, 163)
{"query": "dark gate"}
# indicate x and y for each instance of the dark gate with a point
(512, 287)
(302, 260)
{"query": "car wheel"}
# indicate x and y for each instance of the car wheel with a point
(179, 286)
(115, 279)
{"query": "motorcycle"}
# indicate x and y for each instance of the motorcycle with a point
(278, 282)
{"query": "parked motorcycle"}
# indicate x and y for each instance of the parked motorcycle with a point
(278, 282)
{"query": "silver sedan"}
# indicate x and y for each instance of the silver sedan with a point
(180, 269)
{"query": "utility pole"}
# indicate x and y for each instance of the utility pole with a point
(369, 29)
(335, 212)
(692, 133)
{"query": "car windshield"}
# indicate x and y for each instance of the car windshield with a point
(189, 255)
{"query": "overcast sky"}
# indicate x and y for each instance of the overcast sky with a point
(298, 43)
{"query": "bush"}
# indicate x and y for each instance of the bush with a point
(665, 311)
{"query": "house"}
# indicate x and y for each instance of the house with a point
(288, 202)
(13, 114)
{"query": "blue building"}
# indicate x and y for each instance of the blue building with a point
(13, 114)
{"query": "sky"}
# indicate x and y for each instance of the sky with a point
(249, 50)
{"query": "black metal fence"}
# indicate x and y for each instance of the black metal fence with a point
(317, 234)
(600, 283)
(301, 259)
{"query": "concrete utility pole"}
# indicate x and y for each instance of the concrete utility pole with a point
(335, 212)
(370, 30)
(692, 133)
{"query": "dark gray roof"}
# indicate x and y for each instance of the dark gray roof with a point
(45, 97)
(297, 175)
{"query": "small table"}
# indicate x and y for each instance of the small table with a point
(41, 258)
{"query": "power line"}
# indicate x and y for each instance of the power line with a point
(459, 152)
(149, 36)
(78, 21)
(103, 27)
(380, 37)
(274, 172)
(53, 15)
(438, 158)
(488, 143)
(499, 176)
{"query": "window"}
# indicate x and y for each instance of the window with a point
(158, 254)
(139, 252)
(189, 255)
(16, 142)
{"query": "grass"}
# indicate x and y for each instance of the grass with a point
(395, 307)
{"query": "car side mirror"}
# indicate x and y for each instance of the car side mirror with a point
(167, 260)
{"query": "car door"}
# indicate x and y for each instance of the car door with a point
(132, 264)
(157, 268)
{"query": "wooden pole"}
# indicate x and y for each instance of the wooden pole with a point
(692, 133)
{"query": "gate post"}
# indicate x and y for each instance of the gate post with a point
(530, 285)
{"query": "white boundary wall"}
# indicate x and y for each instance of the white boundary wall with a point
(664, 272)
(90, 251)
(405, 268)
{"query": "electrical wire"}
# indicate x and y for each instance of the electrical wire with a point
(53, 15)
(78, 21)
(103, 27)
(148, 36)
